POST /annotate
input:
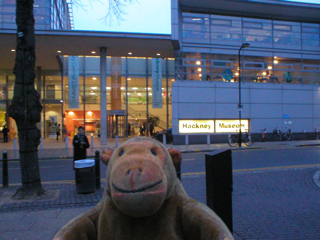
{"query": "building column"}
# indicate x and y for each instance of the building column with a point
(103, 95)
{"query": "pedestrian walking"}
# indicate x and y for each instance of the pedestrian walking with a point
(5, 131)
(80, 145)
(58, 129)
(151, 128)
(64, 132)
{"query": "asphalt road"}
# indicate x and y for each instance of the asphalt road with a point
(255, 159)
(192, 163)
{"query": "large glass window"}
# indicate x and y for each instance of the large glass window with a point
(287, 35)
(195, 28)
(310, 36)
(229, 30)
(257, 32)
(226, 29)
(258, 69)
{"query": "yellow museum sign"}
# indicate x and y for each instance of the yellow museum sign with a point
(213, 126)
(196, 126)
(230, 126)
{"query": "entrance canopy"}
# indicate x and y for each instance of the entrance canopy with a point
(48, 43)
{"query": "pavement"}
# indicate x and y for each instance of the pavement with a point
(266, 204)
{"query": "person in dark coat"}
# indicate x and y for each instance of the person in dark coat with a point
(5, 131)
(80, 145)
(58, 131)
(151, 127)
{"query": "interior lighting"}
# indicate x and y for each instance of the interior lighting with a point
(198, 62)
(61, 100)
(269, 67)
(196, 19)
(129, 79)
(275, 61)
(13, 50)
(89, 113)
(93, 52)
(94, 78)
(108, 88)
(135, 88)
(199, 69)
(237, 74)
(92, 93)
(59, 51)
(129, 53)
(122, 88)
(139, 94)
(71, 113)
(200, 75)
(158, 54)
(172, 80)
(94, 88)
(264, 73)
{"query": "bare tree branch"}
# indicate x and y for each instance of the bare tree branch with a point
(115, 9)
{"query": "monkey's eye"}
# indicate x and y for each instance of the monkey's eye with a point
(121, 153)
(153, 152)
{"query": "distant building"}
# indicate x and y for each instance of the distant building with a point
(48, 14)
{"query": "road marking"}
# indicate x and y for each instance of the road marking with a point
(195, 173)
(259, 169)
(55, 182)
(40, 167)
(188, 159)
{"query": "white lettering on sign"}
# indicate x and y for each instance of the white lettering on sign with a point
(196, 126)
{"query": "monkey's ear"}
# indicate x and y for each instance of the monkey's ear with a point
(106, 155)
(176, 156)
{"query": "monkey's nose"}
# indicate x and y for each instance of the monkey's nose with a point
(134, 171)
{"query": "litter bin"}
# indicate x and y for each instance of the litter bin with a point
(85, 175)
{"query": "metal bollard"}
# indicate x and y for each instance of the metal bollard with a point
(178, 171)
(66, 140)
(219, 184)
(97, 163)
(5, 176)
(187, 140)
(92, 142)
(117, 141)
(15, 144)
(41, 143)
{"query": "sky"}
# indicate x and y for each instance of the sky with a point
(144, 16)
(304, 1)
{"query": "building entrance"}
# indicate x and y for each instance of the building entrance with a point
(117, 120)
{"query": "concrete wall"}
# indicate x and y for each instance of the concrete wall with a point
(263, 104)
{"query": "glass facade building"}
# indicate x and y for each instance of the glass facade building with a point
(48, 14)
(283, 54)
(280, 51)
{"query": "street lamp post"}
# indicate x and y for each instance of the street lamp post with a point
(244, 45)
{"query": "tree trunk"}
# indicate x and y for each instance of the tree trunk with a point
(26, 107)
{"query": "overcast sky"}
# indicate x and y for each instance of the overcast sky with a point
(146, 16)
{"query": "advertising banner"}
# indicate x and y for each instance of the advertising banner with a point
(116, 70)
(73, 71)
(156, 83)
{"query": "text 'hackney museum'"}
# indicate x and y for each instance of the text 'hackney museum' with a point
(223, 58)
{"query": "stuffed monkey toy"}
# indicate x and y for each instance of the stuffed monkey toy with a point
(144, 200)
